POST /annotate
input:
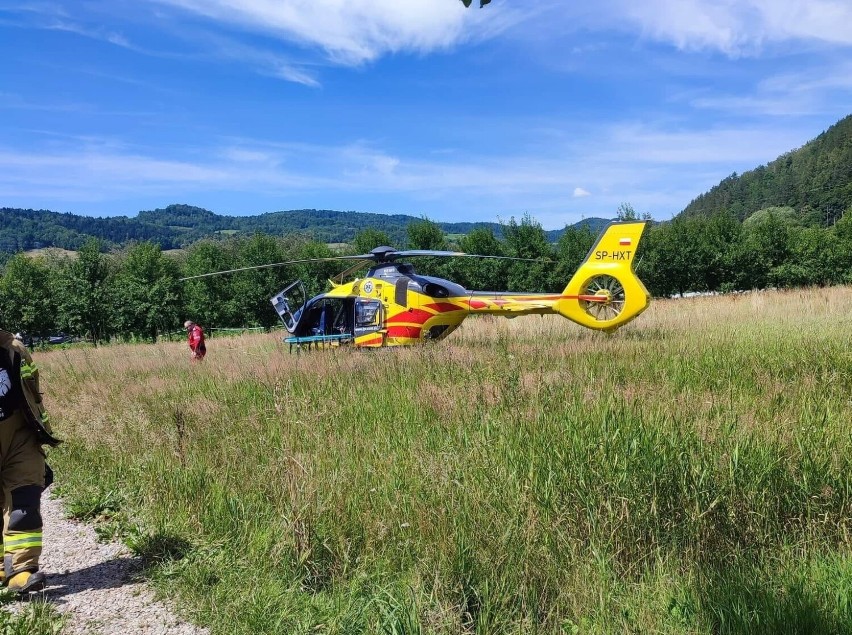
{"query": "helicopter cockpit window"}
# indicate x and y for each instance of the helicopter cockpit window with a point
(368, 316)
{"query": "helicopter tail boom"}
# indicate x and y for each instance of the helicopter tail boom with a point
(605, 293)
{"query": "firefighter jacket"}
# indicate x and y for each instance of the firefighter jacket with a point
(19, 388)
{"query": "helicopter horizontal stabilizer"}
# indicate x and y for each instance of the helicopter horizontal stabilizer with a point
(605, 293)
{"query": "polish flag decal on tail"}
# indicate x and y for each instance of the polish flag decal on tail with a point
(624, 242)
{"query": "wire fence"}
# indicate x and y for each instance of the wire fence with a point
(66, 341)
(223, 330)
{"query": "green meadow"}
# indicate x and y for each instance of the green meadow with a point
(691, 473)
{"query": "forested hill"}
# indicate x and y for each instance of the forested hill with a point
(815, 180)
(180, 225)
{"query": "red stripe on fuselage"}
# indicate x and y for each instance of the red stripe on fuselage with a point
(443, 307)
(499, 302)
(519, 298)
(412, 316)
(404, 331)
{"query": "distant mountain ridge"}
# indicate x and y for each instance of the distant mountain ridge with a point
(178, 226)
(815, 180)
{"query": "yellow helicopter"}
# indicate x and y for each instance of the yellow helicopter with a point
(394, 306)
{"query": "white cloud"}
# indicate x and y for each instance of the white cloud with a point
(733, 27)
(723, 145)
(815, 89)
(96, 34)
(216, 46)
(737, 27)
(357, 31)
(239, 154)
(263, 61)
(626, 162)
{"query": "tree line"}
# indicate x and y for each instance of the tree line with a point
(815, 179)
(178, 226)
(137, 292)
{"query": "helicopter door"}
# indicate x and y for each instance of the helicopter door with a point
(288, 304)
(369, 316)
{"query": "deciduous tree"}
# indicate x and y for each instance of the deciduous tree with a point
(82, 287)
(368, 239)
(25, 293)
(425, 234)
(528, 240)
(147, 292)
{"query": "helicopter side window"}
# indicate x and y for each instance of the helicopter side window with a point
(280, 305)
(435, 290)
(368, 316)
(288, 304)
(401, 292)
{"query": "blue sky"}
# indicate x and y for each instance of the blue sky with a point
(559, 109)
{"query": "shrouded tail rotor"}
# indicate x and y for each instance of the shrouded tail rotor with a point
(605, 293)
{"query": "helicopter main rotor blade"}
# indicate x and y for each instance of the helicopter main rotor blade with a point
(389, 254)
(455, 254)
(406, 253)
(504, 258)
(378, 257)
(275, 264)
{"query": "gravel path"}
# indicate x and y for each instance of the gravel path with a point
(93, 584)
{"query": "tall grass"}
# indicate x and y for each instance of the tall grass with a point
(36, 617)
(688, 474)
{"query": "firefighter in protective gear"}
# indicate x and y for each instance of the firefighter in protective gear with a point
(24, 428)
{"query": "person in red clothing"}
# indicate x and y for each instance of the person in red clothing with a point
(196, 340)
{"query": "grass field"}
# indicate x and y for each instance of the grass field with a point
(47, 252)
(688, 474)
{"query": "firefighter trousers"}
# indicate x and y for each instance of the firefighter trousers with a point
(22, 472)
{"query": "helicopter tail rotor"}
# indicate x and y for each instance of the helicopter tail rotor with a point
(605, 293)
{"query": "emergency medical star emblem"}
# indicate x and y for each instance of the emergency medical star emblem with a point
(624, 242)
